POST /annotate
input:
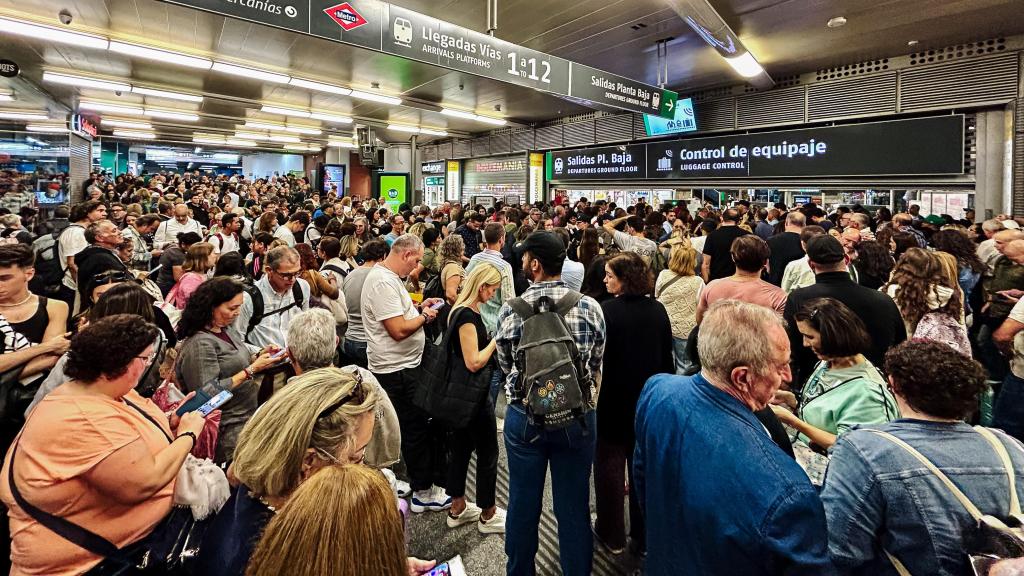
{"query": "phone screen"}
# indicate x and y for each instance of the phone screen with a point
(437, 305)
(215, 402)
(198, 400)
(279, 354)
(442, 569)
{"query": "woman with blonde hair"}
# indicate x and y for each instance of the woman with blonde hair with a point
(198, 261)
(450, 254)
(341, 522)
(320, 418)
(471, 363)
(678, 289)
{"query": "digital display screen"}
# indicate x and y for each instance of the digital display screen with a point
(683, 121)
(333, 174)
(394, 189)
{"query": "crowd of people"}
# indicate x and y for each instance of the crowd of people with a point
(751, 390)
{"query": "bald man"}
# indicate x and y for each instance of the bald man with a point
(167, 232)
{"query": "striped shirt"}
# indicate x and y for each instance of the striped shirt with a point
(489, 310)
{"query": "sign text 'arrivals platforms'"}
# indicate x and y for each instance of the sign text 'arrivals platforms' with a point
(395, 30)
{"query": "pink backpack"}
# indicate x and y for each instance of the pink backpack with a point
(943, 328)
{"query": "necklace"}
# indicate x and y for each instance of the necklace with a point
(25, 301)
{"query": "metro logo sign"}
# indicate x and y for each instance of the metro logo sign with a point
(346, 16)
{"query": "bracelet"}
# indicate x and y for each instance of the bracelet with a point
(248, 374)
(189, 435)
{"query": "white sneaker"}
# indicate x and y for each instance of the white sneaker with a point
(470, 514)
(496, 525)
(400, 487)
(434, 499)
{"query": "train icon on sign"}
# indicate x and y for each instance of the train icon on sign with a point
(558, 165)
(403, 32)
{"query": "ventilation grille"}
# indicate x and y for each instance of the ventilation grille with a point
(613, 128)
(444, 150)
(501, 144)
(715, 115)
(79, 163)
(978, 48)
(522, 140)
(481, 146)
(461, 149)
(858, 69)
(774, 107)
(571, 119)
(1018, 174)
(711, 94)
(549, 137)
(854, 97)
(578, 134)
(961, 83)
(429, 153)
(784, 82)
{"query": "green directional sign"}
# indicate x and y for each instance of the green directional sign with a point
(668, 104)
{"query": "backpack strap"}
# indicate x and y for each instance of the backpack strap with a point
(567, 302)
(521, 307)
(667, 284)
(1000, 449)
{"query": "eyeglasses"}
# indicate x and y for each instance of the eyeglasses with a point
(287, 275)
(149, 359)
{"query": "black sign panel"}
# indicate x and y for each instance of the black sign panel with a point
(608, 163)
(921, 146)
(395, 30)
(9, 68)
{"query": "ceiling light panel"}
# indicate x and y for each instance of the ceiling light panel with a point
(6, 97)
(134, 134)
(84, 82)
(320, 87)
(433, 132)
(50, 128)
(303, 130)
(52, 34)
(372, 97)
(172, 115)
(241, 143)
(403, 128)
(127, 124)
(257, 124)
(251, 136)
(165, 94)
(247, 72)
(283, 138)
(458, 113)
(105, 107)
(24, 115)
(285, 111)
(160, 55)
(335, 118)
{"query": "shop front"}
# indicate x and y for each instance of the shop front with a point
(34, 168)
(486, 181)
(890, 164)
(433, 183)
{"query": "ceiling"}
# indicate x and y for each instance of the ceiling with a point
(619, 36)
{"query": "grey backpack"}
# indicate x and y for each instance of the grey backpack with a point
(554, 384)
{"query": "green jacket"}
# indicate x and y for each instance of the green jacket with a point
(834, 400)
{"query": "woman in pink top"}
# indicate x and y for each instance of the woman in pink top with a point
(94, 453)
(198, 261)
(750, 254)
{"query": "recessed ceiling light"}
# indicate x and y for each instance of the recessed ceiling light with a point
(404, 128)
(105, 107)
(342, 144)
(912, 43)
(84, 82)
(242, 143)
(172, 115)
(283, 138)
(433, 132)
(320, 86)
(250, 72)
(303, 130)
(134, 134)
(458, 113)
(127, 124)
(335, 118)
(165, 94)
(24, 115)
(837, 22)
(53, 128)
(285, 111)
(746, 65)
(160, 55)
(53, 34)
(251, 136)
(6, 97)
(263, 125)
(376, 97)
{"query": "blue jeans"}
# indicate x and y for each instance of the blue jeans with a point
(497, 384)
(356, 352)
(679, 353)
(1008, 411)
(570, 452)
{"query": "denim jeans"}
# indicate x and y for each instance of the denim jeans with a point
(570, 452)
(497, 384)
(1008, 412)
(356, 352)
(679, 353)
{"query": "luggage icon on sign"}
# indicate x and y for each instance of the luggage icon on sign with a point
(403, 32)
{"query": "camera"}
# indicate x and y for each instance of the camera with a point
(65, 16)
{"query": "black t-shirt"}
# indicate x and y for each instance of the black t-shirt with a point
(467, 316)
(717, 246)
(785, 248)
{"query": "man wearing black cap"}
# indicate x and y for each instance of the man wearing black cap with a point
(531, 448)
(879, 313)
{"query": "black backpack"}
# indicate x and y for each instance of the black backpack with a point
(435, 287)
(554, 383)
(49, 269)
(258, 312)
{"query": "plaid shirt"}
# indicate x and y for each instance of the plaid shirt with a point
(586, 323)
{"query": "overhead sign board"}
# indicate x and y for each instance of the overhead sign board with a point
(684, 120)
(395, 30)
(921, 146)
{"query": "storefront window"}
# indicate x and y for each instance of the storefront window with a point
(33, 170)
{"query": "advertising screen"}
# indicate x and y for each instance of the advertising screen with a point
(683, 121)
(333, 174)
(394, 190)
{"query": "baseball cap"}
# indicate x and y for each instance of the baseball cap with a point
(543, 245)
(935, 220)
(825, 249)
(1011, 225)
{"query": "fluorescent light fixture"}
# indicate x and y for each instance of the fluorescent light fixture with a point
(23, 115)
(341, 144)
(160, 55)
(433, 132)
(285, 111)
(53, 34)
(242, 143)
(250, 72)
(303, 130)
(375, 97)
(127, 124)
(282, 138)
(320, 86)
(165, 94)
(331, 118)
(170, 115)
(201, 140)
(84, 82)
(36, 141)
(403, 128)
(251, 136)
(51, 128)
(301, 147)
(134, 134)
(458, 113)
(745, 64)
(6, 97)
(492, 121)
(104, 107)
(263, 125)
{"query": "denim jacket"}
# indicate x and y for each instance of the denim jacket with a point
(878, 495)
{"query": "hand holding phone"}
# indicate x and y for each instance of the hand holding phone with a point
(453, 567)
(437, 305)
(279, 354)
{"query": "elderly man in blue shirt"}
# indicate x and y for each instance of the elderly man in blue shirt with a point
(718, 495)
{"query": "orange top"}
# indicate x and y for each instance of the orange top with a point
(65, 437)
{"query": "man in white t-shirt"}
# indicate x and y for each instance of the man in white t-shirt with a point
(395, 339)
(295, 224)
(632, 240)
(227, 239)
(167, 232)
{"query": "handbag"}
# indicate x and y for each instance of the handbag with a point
(15, 394)
(170, 549)
(447, 390)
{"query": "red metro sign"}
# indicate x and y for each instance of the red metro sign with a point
(346, 16)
